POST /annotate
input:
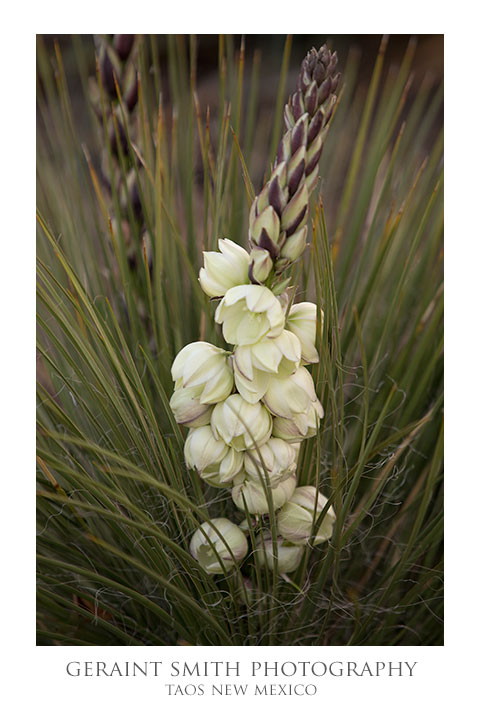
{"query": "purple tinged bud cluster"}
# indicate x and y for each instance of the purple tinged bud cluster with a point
(279, 213)
(114, 98)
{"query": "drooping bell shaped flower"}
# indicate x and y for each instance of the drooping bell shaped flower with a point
(253, 364)
(248, 313)
(216, 462)
(301, 511)
(290, 396)
(215, 551)
(288, 556)
(201, 364)
(276, 460)
(301, 426)
(241, 424)
(225, 269)
(249, 493)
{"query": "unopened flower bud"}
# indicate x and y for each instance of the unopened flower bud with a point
(187, 408)
(225, 269)
(280, 174)
(241, 424)
(301, 321)
(312, 178)
(284, 150)
(288, 558)
(250, 494)
(301, 426)
(259, 204)
(260, 265)
(277, 189)
(218, 546)
(296, 169)
(267, 221)
(201, 364)
(294, 246)
(215, 462)
(314, 153)
(297, 517)
(265, 227)
(295, 214)
(248, 313)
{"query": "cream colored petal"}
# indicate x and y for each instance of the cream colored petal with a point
(201, 366)
(187, 408)
(211, 286)
(291, 430)
(260, 299)
(250, 329)
(267, 355)
(235, 294)
(243, 361)
(286, 398)
(219, 387)
(290, 346)
(237, 259)
(252, 390)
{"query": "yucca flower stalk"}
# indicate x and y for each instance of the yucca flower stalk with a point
(273, 389)
(114, 99)
(119, 496)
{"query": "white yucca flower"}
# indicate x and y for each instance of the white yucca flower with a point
(215, 551)
(291, 396)
(252, 493)
(248, 313)
(225, 269)
(276, 459)
(255, 363)
(241, 424)
(288, 556)
(215, 461)
(296, 518)
(205, 367)
(301, 426)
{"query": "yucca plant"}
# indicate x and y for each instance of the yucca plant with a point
(141, 168)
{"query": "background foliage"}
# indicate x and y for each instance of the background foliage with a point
(127, 202)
